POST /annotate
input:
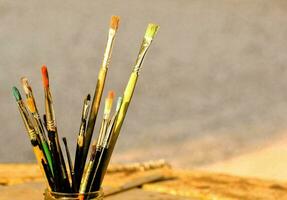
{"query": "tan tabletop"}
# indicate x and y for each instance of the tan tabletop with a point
(23, 181)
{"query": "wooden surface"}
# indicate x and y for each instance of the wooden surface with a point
(25, 182)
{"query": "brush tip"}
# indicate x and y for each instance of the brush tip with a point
(89, 97)
(24, 80)
(151, 30)
(25, 84)
(64, 140)
(115, 22)
(16, 94)
(45, 76)
(111, 94)
(119, 103)
(109, 102)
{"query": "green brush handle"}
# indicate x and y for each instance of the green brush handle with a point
(48, 155)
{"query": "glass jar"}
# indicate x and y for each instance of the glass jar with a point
(49, 195)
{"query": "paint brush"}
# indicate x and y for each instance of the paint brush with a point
(128, 93)
(106, 119)
(31, 105)
(97, 144)
(100, 84)
(59, 161)
(99, 166)
(80, 141)
(31, 132)
(71, 169)
(49, 175)
(88, 171)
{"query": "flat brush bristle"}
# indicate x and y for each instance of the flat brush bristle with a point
(25, 85)
(109, 102)
(151, 31)
(31, 105)
(45, 76)
(119, 103)
(115, 22)
(16, 94)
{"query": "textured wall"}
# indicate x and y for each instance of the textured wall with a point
(212, 85)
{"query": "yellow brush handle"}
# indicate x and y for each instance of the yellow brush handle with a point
(39, 157)
(126, 100)
(121, 116)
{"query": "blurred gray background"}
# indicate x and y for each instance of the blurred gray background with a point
(212, 86)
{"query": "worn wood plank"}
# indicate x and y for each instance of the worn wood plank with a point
(31, 191)
(139, 194)
(207, 186)
(187, 185)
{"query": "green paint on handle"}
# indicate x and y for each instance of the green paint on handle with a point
(48, 156)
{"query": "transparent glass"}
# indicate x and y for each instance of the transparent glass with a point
(98, 195)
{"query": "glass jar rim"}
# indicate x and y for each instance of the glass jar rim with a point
(98, 193)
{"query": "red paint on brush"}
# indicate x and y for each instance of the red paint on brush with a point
(45, 76)
(111, 95)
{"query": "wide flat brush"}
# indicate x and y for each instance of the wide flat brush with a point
(100, 84)
(128, 93)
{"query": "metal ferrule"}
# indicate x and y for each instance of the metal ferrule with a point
(144, 47)
(33, 137)
(110, 128)
(82, 128)
(103, 131)
(84, 181)
(80, 140)
(109, 47)
(27, 123)
(85, 110)
(51, 123)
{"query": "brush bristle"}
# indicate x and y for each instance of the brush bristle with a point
(88, 97)
(65, 141)
(115, 22)
(119, 103)
(31, 105)
(109, 102)
(25, 85)
(111, 95)
(16, 94)
(151, 30)
(45, 76)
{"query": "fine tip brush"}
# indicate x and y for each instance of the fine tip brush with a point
(150, 33)
(59, 162)
(78, 165)
(71, 169)
(114, 24)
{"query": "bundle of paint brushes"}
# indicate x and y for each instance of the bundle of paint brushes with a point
(84, 175)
